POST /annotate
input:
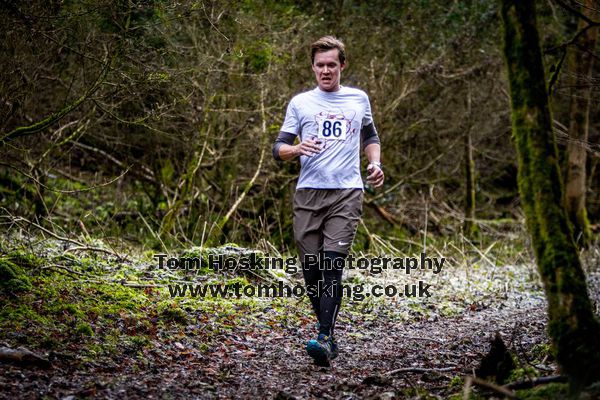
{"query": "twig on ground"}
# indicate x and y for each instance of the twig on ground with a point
(467, 389)
(80, 246)
(418, 370)
(91, 248)
(49, 232)
(472, 380)
(483, 255)
(62, 267)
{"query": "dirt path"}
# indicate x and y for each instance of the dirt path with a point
(370, 350)
(270, 361)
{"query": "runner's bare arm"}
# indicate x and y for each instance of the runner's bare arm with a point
(283, 148)
(375, 173)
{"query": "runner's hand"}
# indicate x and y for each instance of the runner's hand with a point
(376, 175)
(309, 147)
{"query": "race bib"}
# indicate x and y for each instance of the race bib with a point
(332, 129)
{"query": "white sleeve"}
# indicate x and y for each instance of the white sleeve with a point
(291, 124)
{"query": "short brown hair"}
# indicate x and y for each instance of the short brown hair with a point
(328, 43)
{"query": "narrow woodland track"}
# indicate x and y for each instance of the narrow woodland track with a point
(273, 362)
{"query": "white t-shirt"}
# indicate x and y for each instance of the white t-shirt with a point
(335, 118)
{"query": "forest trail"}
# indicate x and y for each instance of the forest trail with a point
(270, 362)
(373, 349)
(112, 331)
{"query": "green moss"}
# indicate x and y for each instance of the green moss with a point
(522, 373)
(172, 312)
(582, 231)
(25, 259)
(449, 309)
(138, 342)
(84, 329)
(48, 342)
(558, 391)
(456, 382)
(541, 351)
(12, 277)
(19, 316)
(93, 350)
(58, 308)
(203, 347)
(472, 231)
(73, 310)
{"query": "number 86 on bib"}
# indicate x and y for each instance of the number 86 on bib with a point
(332, 128)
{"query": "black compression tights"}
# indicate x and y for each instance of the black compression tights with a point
(326, 303)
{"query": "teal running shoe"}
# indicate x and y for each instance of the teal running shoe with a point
(320, 350)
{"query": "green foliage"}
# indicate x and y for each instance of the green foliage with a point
(456, 382)
(257, 56)
(542, 351)
(173, 313)
(84, 329)
(138, 342)
(185, 85)
(74, 310)
(167, 171)
(519, 374)
(12, 277)
(552, 391)
(25, 259)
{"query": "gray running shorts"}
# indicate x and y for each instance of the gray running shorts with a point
(326, 219)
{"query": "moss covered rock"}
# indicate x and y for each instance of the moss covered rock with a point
(12, 277)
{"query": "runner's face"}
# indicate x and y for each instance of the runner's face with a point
(328, 69)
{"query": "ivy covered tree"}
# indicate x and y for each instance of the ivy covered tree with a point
(573, 327)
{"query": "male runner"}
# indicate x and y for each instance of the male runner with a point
(332, 122)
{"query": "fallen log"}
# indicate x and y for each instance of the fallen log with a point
(23, 357)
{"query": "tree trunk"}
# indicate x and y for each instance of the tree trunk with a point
(573, 328)
(470, 227)
(580, 66)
